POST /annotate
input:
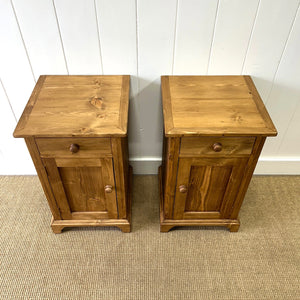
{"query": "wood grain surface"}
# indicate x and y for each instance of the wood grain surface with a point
(170, 174)
(60, 147)
(207, 186)
(84, 188)
(203, 146)
(214, 105)
(212, 184)
(57, 187)
(76, 106)
(43, 177)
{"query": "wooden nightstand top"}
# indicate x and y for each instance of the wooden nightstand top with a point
(214, 105)
(94, 106)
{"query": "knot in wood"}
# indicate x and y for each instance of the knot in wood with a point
(97, 102)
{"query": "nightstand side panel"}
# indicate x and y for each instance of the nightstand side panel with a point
(42, 174)
(170, 174)
(257, 148)
(120, 165)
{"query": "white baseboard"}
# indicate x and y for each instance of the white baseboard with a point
(265, 165)
(149, 165)
(278, 166)
(145, 165)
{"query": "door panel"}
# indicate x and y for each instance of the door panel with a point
(206, 188)
(83, 188)
(79, 187)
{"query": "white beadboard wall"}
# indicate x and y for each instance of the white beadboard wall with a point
(146, 39)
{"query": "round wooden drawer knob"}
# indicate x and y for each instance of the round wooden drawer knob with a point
(182, 189)
(217, 147)
(108, 189)
(74, 148)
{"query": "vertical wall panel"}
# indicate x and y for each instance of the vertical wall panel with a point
(271, 29)
(15, 71)
(194, 33)
(290, 143)
(117, 29)
(156, 30)
(79, 31)
(147, 39)
(284, 99)
(42, 41)
(233, 28)
(14, 157)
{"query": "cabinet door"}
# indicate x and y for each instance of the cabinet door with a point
(83, 188)
(206, 188)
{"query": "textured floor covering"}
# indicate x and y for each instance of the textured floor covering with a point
(261, 261)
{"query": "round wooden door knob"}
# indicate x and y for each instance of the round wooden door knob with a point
(74, 148)
(108, 189)
(217, 147)
(182, 189)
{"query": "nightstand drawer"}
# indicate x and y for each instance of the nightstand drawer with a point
(74, 147)
(216, 146)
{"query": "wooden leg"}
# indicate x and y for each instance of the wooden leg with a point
(57, 228)
(165, 228)
(125, 228)
(234, 227)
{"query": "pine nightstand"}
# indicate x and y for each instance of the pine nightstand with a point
(75, 128)
(214, 130)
